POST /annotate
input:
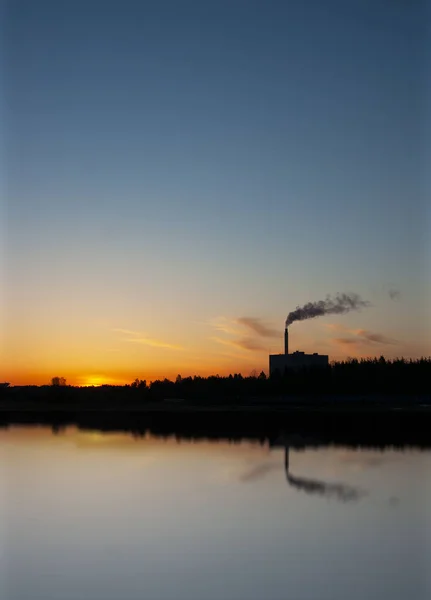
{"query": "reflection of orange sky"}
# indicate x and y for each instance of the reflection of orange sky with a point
(115, 466)
(231, 461)
(95, 440)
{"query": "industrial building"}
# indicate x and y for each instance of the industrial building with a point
(296, 360)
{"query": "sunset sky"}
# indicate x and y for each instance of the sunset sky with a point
(174, 167)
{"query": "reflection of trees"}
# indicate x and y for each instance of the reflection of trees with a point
(340, 491)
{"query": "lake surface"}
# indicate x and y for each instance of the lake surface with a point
(105, 516)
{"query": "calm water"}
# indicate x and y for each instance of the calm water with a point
(106, 517)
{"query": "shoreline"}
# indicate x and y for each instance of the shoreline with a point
(378, 426)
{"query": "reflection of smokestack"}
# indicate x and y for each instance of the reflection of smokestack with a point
(286, 341)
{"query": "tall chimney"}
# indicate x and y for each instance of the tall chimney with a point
(286, 341)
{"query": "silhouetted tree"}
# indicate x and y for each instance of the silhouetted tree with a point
(394, 380)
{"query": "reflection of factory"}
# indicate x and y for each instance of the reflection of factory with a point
(339, 491)
(296, 360)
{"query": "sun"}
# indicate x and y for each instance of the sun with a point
(93, 380)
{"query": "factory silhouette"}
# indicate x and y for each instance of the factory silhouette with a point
(297, 360)
(339, 304)
(375, 381)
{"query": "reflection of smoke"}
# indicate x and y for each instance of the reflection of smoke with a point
(340, 491)
(258, 472)
(342, 303)
(394, 294)
(337, 490)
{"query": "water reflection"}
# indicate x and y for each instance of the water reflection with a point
(340, 491)
(394, 430)
(94, 514)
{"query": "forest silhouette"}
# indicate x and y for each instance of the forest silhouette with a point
(362, 378)
(351, 402)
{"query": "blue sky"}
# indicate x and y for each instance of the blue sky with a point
(169, 163)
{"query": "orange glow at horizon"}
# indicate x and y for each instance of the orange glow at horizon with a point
(102, 354)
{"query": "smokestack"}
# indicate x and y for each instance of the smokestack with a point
(286, 341)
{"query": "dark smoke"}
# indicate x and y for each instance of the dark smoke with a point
(394, 294)
(342, 303)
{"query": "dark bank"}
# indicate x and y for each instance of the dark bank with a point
(351, 402)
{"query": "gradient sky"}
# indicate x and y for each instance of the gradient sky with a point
(172, 166)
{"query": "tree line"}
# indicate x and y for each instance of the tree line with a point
(351, 377)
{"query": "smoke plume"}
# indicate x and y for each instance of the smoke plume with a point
(340, 304)
(394, 294)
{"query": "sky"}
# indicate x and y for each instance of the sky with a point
(172, 168)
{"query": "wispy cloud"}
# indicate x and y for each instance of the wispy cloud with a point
(225, 325)
(373, 337)
(358, 336)
(334, 327)
(249, 344)
(154, 343)
(362, 336)
(243, 333)
(346, 341)
(258, 327)
(137, 337)
(127, 332)
(243, 343)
